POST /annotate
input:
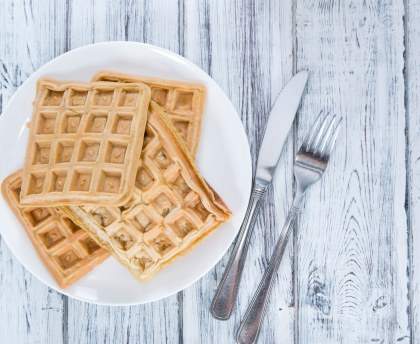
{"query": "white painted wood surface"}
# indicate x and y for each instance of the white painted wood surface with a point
(351, 275)
(412, 103)
(352, 250)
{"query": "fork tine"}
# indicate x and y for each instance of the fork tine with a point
(329, 144)
(311, 134)
(322, 132)
(326, 135)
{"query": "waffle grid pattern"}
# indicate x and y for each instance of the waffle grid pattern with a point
(83, 142)
(171, 207)
(183, 103)
(67, 250)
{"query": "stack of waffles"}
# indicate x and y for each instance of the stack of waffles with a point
(109, 169)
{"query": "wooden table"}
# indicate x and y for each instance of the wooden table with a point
(352, 273)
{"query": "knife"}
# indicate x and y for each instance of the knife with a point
(279, 123)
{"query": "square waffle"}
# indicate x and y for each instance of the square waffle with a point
(84, 142)
(67, 251)
(171, 208)
(183, 102)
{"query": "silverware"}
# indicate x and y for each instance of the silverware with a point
(278, 126)
(310, 163)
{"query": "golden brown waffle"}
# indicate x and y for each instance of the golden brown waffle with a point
(183, 102)
(84, 142)
(67, 251)
(171, 209)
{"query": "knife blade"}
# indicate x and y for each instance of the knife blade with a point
(278, 126)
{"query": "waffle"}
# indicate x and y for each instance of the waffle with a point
(171, 209)
(67, 251)
(183, 102)
(84, 142)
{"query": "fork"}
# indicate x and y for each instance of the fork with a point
(310, 163)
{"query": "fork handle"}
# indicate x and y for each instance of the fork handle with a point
(224, 299)
(251, 324)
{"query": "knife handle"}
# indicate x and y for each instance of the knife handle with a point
(225, 297)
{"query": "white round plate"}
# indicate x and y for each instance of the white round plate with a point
(223, 158)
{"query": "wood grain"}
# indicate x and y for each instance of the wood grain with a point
(412, 103)
(251, 68)
(352, 275)
(29, 312)
(352, 250)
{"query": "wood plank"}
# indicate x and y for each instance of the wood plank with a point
(247, 48)
(352, 240)
(412, 75)
(157, 322)
(151, 323)
(30, 312)
(33, 34)
(350, 290)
